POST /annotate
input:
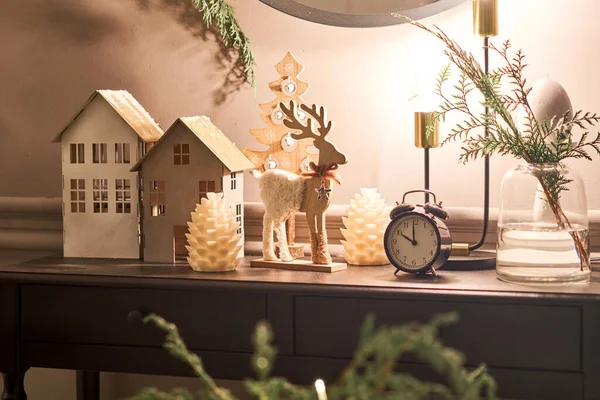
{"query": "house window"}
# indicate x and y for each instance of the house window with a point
(123, 196)
(100, 195)
(205, 187)
(238, 216)
(99, 153)
(233, 181)
(77, 196)
(181, 154)
(77, 153)
(157, 198)
(122, 153)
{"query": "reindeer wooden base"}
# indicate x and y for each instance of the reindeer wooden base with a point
(299, 265)
(283, 192)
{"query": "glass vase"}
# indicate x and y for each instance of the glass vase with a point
(543, 226)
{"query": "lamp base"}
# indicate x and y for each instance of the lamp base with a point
(477, 260)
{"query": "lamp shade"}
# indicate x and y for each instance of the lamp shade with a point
(424, 139)
(485, 17)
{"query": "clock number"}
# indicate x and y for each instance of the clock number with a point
(431, 232)
(424, 260)
(404, 258)
(416, 222)
(394, 241)
(414, 262)
(405, 225)
(430, 252)
(397, 252)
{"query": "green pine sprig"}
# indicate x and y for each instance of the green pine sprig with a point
(177, 348)
(372, 373)
(535, 142)
(221, 14)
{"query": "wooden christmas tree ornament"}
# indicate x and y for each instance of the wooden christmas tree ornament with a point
(284, 150)
(214, 243)
(365, 223)
(284, 192)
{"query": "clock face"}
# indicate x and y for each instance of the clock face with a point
(412, 242)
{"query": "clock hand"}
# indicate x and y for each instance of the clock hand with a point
(413, 232)
(406, 237)
(413, 242)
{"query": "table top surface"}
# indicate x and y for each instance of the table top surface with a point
(42, 267)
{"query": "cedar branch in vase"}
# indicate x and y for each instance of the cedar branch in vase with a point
(536, 142)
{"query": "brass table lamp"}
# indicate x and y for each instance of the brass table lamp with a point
(465, 256)
(427, 136)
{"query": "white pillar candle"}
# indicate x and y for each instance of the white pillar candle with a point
(213, 244)
(365, 224)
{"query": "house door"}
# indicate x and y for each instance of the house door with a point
(180, 241)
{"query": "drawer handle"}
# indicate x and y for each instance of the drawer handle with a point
(135, 317)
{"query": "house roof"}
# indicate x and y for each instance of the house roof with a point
(129, 109)
(212, 138)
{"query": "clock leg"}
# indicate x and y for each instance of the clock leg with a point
(14, 387)
(433, 271)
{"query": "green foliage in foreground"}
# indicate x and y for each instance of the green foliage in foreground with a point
(370, 375)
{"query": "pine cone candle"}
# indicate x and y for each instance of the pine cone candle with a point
(213, 242)
(367, 219)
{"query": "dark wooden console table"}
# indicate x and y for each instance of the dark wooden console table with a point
(539, 342)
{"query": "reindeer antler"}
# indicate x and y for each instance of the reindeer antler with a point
(329, 155)
(319, 117)
(292, 122)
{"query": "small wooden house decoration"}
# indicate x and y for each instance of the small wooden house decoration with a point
(191, 159)
(110, 133)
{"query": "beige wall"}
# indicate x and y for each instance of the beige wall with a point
(54, 53)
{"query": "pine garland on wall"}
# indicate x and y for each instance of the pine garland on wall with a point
(219, 14)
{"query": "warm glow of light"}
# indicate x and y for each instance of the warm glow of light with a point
(320, 388)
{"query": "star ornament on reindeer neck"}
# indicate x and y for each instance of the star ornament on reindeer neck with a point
(283, 192)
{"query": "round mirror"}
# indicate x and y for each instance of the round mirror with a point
(360, 13)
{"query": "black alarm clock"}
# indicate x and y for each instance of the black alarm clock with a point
(417, 240)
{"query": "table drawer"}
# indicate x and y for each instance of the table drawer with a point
(521, 336)
(207, 320)
(9, 300)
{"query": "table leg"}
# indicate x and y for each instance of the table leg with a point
(14, 387)
(88, 385)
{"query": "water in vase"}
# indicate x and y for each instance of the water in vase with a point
(540, 252)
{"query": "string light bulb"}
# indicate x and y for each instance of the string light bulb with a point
(320, 389)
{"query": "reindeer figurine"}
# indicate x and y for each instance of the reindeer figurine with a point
(283, 192)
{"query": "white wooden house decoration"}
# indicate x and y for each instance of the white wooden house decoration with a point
(110, 133)
(192, 158)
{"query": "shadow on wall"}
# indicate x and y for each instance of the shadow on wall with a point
(79, 25)
(189, 17)
(76, 24)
